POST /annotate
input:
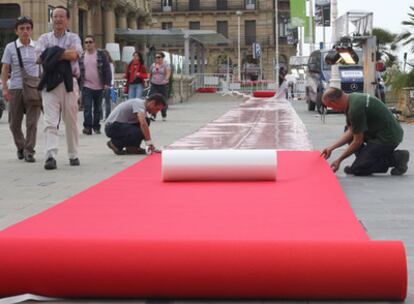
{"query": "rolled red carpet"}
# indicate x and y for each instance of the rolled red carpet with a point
(135, 236)
(264, 94)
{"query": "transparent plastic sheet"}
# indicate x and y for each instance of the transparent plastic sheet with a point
(256, 123)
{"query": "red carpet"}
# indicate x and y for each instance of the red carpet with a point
(134, 236)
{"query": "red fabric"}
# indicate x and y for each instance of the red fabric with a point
(133, 68)
(134, 236)
(206, 90)
(262, 94)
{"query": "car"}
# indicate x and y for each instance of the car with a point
(319, 74)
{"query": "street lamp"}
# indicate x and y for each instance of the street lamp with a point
(238, 13)
(276, 44)
(335, 81)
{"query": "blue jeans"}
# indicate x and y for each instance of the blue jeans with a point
(92, 108)
(125, 134)
(108, 102)
(135, 90)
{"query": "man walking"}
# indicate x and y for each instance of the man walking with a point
(24, 48)
(57, 50)
(95, 76)
(372, 133)
(128, 124)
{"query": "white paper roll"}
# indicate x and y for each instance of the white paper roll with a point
(210, 165)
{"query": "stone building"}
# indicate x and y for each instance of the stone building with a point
(97, 17)
(257, 25)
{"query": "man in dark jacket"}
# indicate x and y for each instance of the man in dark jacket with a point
(95, 77)
(61, 102)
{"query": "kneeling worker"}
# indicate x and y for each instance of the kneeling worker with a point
(372, 133)
(128, 124)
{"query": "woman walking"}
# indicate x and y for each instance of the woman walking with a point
(135, 75)
(159, 77)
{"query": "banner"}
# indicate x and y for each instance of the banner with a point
(308, 38)
(323, 12)
(298, 13)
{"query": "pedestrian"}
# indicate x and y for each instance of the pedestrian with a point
(372, 132)
(108, 92)
(57, 51)
(135, 75)
(159, 78)
(95, 77)
(128, 125)
(20, 57)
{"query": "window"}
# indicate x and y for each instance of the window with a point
(194, 25)
(250, 32)
(250, 4)
(166, 5)
(194, 5)
(166, 25)
(223, 28)
(221, 5)
(8, 16)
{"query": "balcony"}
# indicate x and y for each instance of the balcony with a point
(205, 6)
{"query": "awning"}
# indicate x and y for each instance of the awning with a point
(171, 37)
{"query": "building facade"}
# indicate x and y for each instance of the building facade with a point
(254, 18)
(96, 17)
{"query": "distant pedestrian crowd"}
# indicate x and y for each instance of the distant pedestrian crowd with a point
(50, 76)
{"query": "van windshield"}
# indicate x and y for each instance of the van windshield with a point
(359, 64)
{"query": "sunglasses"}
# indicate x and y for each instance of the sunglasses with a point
(158, 57)
(88, 41)
(24, 18)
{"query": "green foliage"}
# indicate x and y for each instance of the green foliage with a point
(396, 79)
(407, 37)
(386, 46)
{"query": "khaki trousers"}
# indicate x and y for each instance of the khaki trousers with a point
(17, 108)
(56, 103)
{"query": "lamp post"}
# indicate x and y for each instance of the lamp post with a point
(335, 80)
(276, 44)
(238, 13)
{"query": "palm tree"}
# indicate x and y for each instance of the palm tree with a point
(386, 46)
(407, 37)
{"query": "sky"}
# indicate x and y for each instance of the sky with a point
(387, 15)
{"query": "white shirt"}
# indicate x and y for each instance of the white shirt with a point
(67, 41)
(29, 62)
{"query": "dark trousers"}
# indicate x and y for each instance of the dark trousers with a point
(92, 108)
(17, 108)
(108, 103)
(163, 90)
(124, 134)
(373, 158)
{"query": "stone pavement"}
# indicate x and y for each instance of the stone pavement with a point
(384, 204)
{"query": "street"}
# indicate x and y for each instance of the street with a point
(383, 203)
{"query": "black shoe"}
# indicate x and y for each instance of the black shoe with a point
(20, 154)
(111, 146)
(401, 160)
(97, 131)
(50, 164)
(87, 131)
(29, 158)
(135, 150)
(348, 170)
(74, 162)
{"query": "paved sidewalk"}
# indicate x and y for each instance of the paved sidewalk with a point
(384, 204)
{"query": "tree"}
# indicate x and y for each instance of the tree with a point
(386, 46)
(407, 37)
